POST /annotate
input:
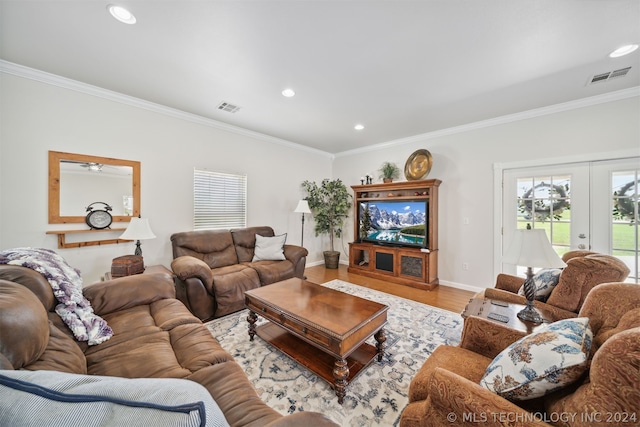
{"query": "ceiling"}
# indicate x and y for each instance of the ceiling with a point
(400, 68)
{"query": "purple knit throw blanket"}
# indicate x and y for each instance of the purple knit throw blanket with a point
(74, 309)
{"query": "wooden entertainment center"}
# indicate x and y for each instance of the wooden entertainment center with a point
(405, 265)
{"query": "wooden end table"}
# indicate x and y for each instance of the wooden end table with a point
(305, 317)
(505, 313)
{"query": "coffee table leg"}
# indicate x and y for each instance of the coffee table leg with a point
(252, 318)
(380, 337)
(341, 373)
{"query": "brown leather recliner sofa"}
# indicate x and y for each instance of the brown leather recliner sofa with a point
(214, 268)
(154, 336)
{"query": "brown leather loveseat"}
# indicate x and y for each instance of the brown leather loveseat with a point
(214, 268)
(154, 337)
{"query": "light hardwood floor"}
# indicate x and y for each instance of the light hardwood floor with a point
(445, 297)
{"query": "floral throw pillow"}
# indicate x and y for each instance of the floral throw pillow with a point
(545, 280)
(540, 363)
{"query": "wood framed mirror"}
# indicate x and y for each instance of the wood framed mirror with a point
(78, 180)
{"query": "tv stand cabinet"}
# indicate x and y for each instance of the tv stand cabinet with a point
(404, 265)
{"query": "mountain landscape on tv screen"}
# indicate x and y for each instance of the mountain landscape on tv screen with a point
(395, 215)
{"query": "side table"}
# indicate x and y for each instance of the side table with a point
(504, 313)
(150, 269)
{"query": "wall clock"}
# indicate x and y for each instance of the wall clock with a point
(98, 219)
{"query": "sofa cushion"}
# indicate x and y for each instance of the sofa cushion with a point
(63, 354)
(244, 240)
(214, 247)
(146, 350)
(230, 284)
(538, 364)
(24, 325)
(544, 280)
(273, 271)
(269, 248)
(62, 399)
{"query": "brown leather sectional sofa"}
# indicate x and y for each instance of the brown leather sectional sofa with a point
(155, 336)
(214, 268)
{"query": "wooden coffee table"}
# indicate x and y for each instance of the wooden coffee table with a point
(304, 317)
(505, 313)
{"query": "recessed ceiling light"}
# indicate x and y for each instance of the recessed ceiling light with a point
(121, 14)
(288, 93)
(624, 50)
(358, 127)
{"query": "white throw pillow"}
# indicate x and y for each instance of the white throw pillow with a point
(540, 363)
(269, 248)
(545, 280)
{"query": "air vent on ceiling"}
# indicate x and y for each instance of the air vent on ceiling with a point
(230, 108)
(605, 77)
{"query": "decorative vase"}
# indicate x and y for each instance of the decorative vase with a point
(331, 259)
(387, 179)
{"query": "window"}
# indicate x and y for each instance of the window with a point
(219, 200)
(545, 202)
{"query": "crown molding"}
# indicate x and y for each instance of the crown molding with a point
(510, 118)
(66, 83)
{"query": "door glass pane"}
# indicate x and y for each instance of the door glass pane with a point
(545, 202)
(624, 224)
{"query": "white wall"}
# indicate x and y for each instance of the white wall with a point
(465, 161)
(38, 117)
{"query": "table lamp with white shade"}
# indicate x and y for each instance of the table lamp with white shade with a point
(138, 229)
(532, 249)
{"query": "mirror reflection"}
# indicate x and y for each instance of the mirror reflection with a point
(77, 180)
(82, 183)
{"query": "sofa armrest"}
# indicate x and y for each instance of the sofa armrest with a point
(307, 419)
(187, 267)
(298, 257)
(509, 283)
(294, 253)
(460, 401)
(130, 291)
(487, 338)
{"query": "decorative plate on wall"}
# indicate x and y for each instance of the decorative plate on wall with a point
(418, 165)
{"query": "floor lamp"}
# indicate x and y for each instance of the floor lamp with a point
(303, 208)
(531, 248)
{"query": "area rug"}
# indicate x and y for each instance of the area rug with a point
(378, 395)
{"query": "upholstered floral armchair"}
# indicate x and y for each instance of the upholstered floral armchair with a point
(584, 270)
(449, 390)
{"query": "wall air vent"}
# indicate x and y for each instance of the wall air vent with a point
(605, 77)
(229, 108)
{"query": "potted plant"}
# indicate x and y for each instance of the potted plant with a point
(389, 171)
(330, 203)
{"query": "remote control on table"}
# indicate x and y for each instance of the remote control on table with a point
(500, 303)
(498, 317)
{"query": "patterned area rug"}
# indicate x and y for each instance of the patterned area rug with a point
(378, 395)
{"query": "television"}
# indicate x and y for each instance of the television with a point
(395, 222)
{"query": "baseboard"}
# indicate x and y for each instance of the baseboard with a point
(461, 286)
(442, 282)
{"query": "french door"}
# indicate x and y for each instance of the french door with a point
(589, 205)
